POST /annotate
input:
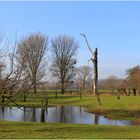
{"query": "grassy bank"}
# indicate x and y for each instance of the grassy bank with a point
(60, 131)
(125, 108)
(128, 107)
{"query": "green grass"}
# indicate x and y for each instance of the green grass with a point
(125, 108)
(128, 107)
(28, 130)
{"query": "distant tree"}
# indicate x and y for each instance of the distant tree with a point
(133, 78)
(111, 82)
(32, 50)
(63, 60)
(114, 84)
(84, 74)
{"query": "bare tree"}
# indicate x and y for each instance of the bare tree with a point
(32, 50)
(111, 83)
(94, 60)
(84, 74)
(63, 60)
(11, 72)
(10, 75)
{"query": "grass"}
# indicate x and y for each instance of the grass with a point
(28, 130)
(128, 107)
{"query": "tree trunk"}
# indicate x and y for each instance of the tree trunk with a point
(128, 92)
(56, 93)
(2, 100)
(95, 83)
(34, 87)
(84, 86)
(139, 92)
(46, 101)
(134, 91)
(24, 97)
(118, 95)
(125, 91)
(62, 88)
(95, 61)
(80, 94)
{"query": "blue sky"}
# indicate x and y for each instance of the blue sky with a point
(113, 27)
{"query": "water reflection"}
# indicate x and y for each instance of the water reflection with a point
(33, 118)
(42, 115)
(2, 108)
(66, 114)
(96, 119)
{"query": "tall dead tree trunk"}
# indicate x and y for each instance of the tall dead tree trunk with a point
(95, 68)
(95, 83)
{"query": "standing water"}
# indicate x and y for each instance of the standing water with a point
(65, 114)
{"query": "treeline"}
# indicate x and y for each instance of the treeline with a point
(128, 86)
(26, 64)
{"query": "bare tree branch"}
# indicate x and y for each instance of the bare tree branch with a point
(82, 34)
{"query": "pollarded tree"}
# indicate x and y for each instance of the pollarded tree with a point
(31, 51)
(63, 60)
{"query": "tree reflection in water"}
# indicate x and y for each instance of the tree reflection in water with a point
(33, 118)
(65, 114)
(42, 117)
(96, 119)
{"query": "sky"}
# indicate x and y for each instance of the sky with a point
(111, 26)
